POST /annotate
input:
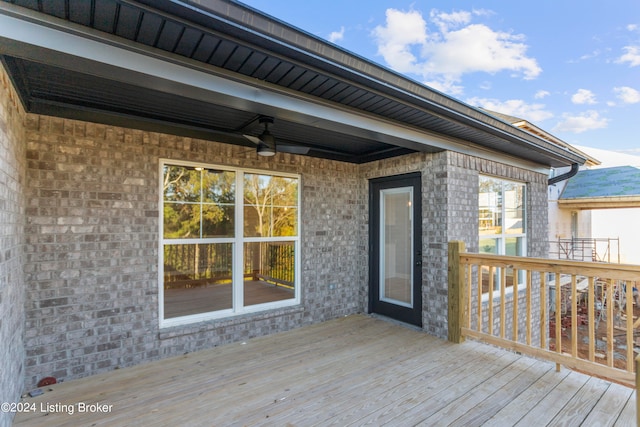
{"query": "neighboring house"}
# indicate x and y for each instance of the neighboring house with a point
(611, 193)
(590, 213)
(139, 222)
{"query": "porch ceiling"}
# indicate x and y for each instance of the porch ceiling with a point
(359, 111)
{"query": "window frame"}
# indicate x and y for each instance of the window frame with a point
(502, 237)
(238, 241)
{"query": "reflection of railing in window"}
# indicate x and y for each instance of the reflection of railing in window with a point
(271, 262)
(192, 265)
(586, 249)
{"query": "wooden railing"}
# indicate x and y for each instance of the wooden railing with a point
(576, 314)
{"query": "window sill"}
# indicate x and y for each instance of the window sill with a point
(212, 324)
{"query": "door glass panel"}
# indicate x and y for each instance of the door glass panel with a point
(396, 252)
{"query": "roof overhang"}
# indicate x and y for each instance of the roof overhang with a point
(209, 70)
(617, 202)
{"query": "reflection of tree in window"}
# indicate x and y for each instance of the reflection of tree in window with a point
(198, 202)
(270, 206)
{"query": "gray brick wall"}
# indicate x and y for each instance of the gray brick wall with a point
(90, 198)
(92, 247)
(450, 212)
(464, 199)
(12, 206)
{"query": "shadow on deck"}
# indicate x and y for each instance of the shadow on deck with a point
(355, 370)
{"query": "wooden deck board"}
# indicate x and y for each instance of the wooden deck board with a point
(613, 401)
(357, 370)
(514, 410)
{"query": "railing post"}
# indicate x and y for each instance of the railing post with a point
(637, 390)
(457, 293)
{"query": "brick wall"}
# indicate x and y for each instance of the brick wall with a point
(464, 199)
(92, 247)
(92, 241)
(12, 286)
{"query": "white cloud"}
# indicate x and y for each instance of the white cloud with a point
(632, 56)
(336, 36)
(632, 27)
(446, 85)
(533, 113)
(457, 47)
(395, 40)
(541, 94)
(627, 94)
(583, 96)
(589, 120)
(445, 21)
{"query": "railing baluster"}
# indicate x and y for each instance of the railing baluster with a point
(469, 291)
(574, 316)
(528, 290)
(515, 305)
(610, 304)
(503, 287)
(479, 325)
(544, 322)
(592, 318)
(629, 325)
(491, 272)
(558, 318)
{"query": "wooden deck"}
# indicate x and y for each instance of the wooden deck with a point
(357, 370)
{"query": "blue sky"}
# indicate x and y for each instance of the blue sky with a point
(570, 67)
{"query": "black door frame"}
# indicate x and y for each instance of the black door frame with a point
(408, 315)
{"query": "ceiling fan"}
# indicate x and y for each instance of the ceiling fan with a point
(266, 142)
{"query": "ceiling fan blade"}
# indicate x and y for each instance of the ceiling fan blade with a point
(253, 139)
(292, 149)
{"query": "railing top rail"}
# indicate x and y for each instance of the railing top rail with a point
(584, 268)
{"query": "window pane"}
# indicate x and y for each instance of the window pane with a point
(489, 246)
(217, 220)
(270, 206)
(514, 208)
(285, 221)
(197, 278)
(490, 206)
(198, 203)
(269, 273)
(181, 184)
(181, 221)
(218, 186)
(514, 246)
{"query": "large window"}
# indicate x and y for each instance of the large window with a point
(502, 225)
(230, 242)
